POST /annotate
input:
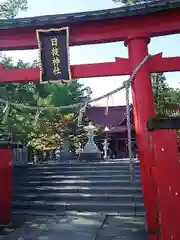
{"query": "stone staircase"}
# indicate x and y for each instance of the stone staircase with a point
(99, 187)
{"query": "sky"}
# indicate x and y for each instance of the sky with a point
(169, 45)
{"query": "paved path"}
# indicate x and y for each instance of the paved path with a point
(84, 227)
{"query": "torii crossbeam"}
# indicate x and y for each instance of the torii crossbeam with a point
(120, 67)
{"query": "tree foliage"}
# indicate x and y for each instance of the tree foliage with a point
(165, 97)
(39, 129)
(51, 126)
(9, 9)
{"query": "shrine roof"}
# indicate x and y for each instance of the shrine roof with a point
(141, 9)
(116, 116)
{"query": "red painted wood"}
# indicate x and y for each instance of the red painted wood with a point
(5, 185)
(20, 75)
(143, 109)
(120, 67)
(153, 237)
(159, 64)
(168, 178)
(165, 175)
(99, 31)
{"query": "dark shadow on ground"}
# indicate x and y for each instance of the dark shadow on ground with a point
(15, 223)
(83, 227)
(55, 228)
(122, 228)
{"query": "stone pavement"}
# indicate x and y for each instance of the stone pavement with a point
(122, 228)
(82, 227)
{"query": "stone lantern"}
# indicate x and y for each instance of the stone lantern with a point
(90, 151)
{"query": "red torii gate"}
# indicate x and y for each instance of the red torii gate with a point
(158, 151)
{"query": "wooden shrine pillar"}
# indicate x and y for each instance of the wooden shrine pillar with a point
(5, 184)
(143, 109)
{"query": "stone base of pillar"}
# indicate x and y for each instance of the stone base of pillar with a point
(90, 157)
(65, 156)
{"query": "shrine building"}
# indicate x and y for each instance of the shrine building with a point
(115, 120)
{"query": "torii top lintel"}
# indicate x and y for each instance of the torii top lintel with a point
(96, 27)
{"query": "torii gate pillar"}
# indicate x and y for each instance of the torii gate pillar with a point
(143, 109)
(5, 184)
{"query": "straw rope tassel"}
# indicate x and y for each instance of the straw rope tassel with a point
(77, 105)
(6, 113)
(81, 113)
(80, 117)
(36, 117)
(107, 106)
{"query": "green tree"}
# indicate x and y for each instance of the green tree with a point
(53, 125)
(49, 127)
(9, 9)
(165, 97)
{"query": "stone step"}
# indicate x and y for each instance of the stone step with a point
(42, 177)
(84, 183)
(79, 189)
(71, 173)
(78, 197)
(80, 168)
(44, 212)
(104, 171)
(85, 163)
(79, 164)
(79, 206)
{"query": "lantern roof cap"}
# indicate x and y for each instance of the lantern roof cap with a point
(139, 9)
